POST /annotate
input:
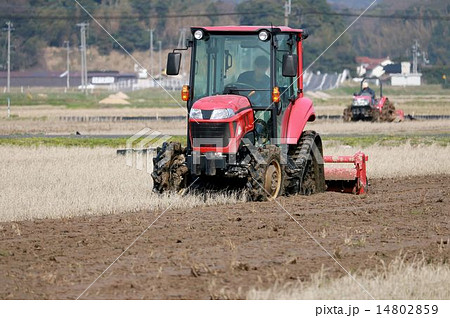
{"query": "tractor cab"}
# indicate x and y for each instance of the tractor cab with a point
(366, 91)
(242, 81)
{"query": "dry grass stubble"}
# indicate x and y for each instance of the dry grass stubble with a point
(53, 182)
(398, 280)
(49, 182)
(399, 161)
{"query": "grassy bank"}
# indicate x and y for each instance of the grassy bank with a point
(72, 142)
(358, 141)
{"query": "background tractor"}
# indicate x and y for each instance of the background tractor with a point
(366, 106)
(246, 119)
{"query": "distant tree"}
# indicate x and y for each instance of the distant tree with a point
(372, 37)
(323, 30)
(131, 36)
(439, 48)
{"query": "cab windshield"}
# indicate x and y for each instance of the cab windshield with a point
(227, 64)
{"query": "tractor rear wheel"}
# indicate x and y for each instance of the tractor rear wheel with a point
(170, 172)
(388, 111)
(375, 115)
(305, 168)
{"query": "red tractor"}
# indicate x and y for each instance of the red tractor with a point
(247, 115)
(365, 105)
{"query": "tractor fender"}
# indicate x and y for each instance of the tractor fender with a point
(381, 103)
(295, 119)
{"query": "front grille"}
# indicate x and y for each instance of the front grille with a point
(361, 110)
(210, 134)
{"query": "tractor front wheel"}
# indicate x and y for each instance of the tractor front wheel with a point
(170, 172)
(273, 179)
(266, 178)
(347, 114)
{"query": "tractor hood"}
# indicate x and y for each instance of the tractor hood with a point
(235, 102)
(362, 97)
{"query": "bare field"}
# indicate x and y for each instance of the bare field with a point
(50, 124)
(330, 104)
(45, 119)
(40, 111)
(48, 182)
(56, 126)
(409, 107)
(399, 161)
(223, 252)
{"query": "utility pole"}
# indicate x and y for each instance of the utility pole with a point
(84, 78)
(182, 43)
(287, 12)
(151, 51)
(8, 61)
(67, 44)
(415, 53)
(160, 60)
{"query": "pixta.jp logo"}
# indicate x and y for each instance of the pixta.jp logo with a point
(142, 147)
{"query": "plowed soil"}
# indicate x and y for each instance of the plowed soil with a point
(221, 252)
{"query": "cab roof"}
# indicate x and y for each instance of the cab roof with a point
(246, 28)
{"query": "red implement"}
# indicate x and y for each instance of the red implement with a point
(348, 180)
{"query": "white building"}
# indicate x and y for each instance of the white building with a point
(406, 78)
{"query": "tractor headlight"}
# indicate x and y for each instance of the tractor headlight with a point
(263, 35)
(222, 113)
(195, 113)
(198, 35)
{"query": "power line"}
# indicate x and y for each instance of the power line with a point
(130, 16)
(382, 16)
(194, 14)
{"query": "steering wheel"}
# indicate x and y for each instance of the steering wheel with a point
(254, 96)
(238, 85)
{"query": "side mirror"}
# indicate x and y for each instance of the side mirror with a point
(173, 63)
(290, 64)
